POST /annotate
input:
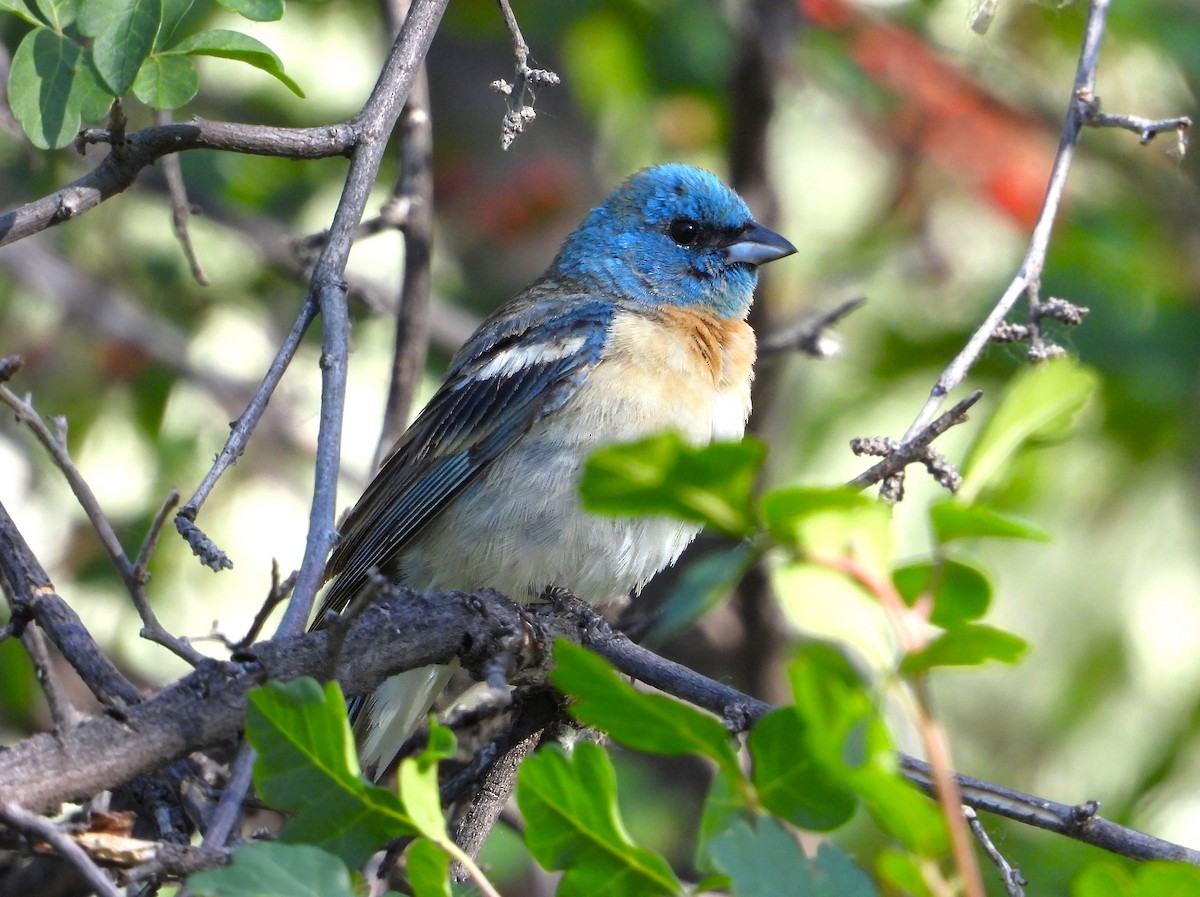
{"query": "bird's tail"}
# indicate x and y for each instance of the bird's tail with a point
(391, 713)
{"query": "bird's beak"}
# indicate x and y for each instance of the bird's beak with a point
(758, 245)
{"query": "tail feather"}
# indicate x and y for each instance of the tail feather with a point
(386, 718)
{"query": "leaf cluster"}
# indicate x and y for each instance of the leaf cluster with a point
(81, 55)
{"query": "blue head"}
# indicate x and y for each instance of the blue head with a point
(675, 235)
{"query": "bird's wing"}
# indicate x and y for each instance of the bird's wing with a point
(525, 362)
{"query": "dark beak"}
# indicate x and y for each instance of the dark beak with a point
(758, 245)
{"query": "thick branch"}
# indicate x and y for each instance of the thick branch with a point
(141, 148)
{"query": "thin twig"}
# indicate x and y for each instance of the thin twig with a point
(1028, 279)
(278, 593)
(414, 195)
(42, 828)
(898, 456)
(133, 575)
(239, 435)
(64, 713)
(1146, 128)
(181, 207)
(144, 147)
(32, 596)
(520, 113)
(810, 336)
(1014, 883)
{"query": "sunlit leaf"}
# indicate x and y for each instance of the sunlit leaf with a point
(166, 81)
(960, 592)
(711, 484)
(952, 519)
(50, 86)
(270, 869)
(306, 764)
(235, 45)
(1040, 405)
(967, 645)
(428, 868)
(123, 33)
(652, 723)
(569, 805)
(764, 860)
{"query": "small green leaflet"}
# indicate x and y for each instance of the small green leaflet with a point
(270, 869)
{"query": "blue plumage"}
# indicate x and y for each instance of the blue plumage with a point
(638, 325)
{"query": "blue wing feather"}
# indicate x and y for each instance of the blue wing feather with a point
(470, 421)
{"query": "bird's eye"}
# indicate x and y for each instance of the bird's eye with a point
(684, 231)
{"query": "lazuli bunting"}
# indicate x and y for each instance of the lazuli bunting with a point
(637, 326)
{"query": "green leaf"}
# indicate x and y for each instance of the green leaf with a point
(967, 645)
(831, 523)
(20, 8)
(652, 723)
(50, 86)
(123, 33)
(417, 779)
(960, 593)
(306, 764)
(724, 802)
(570, 810)
(791, 781)
(58, 13)
(270, 869)
(1157, 879)
(255, 10)
(896, 805)
(952, 519)
(1041, 404)
(174, 15)
(166, 82)
(903, 872)
(664, 475)
(235, 45)
(766, 861)
(700, 586)
(428, 868)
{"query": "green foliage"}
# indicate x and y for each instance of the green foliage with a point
(966, 645)
(651, 723)
(83, 54)
(952, 519)
(1039, 406)
(570, 810)
(764, 860)
(306, 765)
(960, 593)
(1157, 879)
(662, 474)
(267, 869)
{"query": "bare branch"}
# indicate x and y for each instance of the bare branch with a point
(811, 336)
(520, 93)
(134, 576)
(898, 455)
(1146, 128)
(141, 148)
(42, 828)
(1014, 883)
(181, 208)
(1027, 282)
(32, 596)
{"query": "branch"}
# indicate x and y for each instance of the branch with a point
(1081, 109)
(32, 596)
(142, 148)
(47, 831)
(525, 79)
(134, 575)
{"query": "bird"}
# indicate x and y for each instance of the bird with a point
(637, 326)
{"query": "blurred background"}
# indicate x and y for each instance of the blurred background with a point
(905, 155)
